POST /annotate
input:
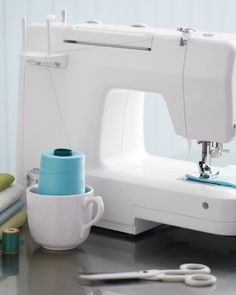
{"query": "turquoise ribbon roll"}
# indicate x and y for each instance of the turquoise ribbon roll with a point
(62, 172)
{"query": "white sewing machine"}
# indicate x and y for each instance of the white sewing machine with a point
(82, 87)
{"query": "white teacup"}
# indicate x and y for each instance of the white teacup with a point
(61, 222)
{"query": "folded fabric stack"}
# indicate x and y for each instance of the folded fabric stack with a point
(12, 213)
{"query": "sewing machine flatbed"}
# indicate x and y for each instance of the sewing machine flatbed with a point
(154, 189)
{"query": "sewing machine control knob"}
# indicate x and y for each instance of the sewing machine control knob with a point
(139, 25)
(94, 21)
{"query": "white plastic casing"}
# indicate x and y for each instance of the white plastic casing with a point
(88, 95)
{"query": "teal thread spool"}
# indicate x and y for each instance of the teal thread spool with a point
(10, 265)
(62, 172)
(10, 241)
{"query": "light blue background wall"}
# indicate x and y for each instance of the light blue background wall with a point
(210, 15)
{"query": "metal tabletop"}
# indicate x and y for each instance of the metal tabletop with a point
(37, 271)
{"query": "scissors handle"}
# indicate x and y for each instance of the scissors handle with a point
(193, 280)
(193, 274)
(200, 280)
(195, 268)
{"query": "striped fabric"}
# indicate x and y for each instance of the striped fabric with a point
(10, 196)
(10, 211)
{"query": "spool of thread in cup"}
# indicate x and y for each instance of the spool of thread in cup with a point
(10, 241)
(62, 172)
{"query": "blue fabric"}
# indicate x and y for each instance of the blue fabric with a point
(6, 214)
(227, 177)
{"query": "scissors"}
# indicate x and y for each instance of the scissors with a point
(192, 274)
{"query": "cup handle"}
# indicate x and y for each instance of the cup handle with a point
(100, 210)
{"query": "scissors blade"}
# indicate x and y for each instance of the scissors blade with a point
(119, 276)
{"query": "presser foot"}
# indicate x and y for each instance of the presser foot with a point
(205, 171)
(210, 150)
